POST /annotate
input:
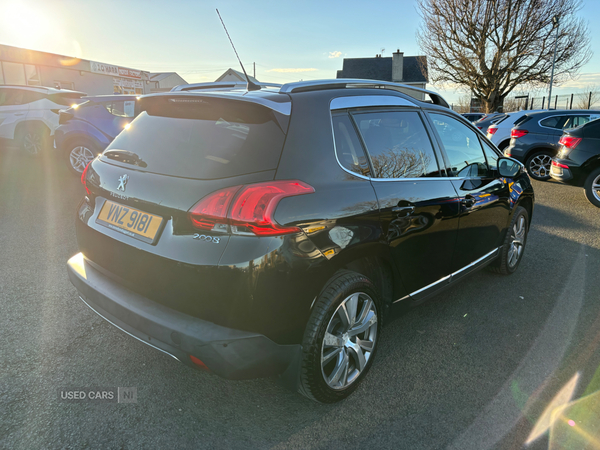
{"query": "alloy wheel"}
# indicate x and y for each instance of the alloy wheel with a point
(596, 188)
(517, 244)
(349, 340)
(32, 143)
(80, 157)
(540, 165)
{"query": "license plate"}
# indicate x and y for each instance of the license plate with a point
(130, 221)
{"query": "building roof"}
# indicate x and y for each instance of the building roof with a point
(157, 76)
(381, 69)
(237, 74)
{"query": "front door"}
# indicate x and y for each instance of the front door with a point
(484, 195)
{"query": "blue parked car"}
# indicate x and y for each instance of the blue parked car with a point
(86, 130)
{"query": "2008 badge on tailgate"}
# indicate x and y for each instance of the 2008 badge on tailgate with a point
(130, 221)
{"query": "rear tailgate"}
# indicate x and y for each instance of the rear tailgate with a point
(135, 226)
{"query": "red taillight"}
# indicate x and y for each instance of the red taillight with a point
(516, 134)
(481, 128)
(199, 363)
(554, 163)
(252, 208)
(83, 180)
(569, 141)
(212, 209)
(492, 130)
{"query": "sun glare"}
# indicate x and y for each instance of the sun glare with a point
(27, 25)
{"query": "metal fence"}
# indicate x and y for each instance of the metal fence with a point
(580, 100)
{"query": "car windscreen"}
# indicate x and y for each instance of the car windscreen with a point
(201, 138)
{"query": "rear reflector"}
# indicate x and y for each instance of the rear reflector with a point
(516, 134)
(83, 178)
(247, 209)
(569, 141)
(199, 363)
(554, 163)
(492, 130)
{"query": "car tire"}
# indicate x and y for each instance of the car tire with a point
(335, 358)
(514, 243)
(78, 154)
(538, 165)
(591, 187)
(33, 139)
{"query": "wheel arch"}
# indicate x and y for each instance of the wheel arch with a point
(21, 126)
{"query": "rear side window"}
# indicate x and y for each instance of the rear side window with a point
(398, 144)
(348, 148)
(121, 108)
(552, 122)
(203, 138)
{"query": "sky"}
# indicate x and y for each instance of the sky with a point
(288, 40)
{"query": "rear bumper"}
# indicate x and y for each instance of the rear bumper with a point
(229, 353)
(571, 174)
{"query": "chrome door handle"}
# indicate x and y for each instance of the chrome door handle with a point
(404, 210)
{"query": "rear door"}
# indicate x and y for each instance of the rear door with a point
(483, 194)
(418, 206)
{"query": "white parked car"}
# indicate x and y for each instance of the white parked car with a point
(499, 133)
(29, 114)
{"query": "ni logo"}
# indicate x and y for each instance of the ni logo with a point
(122, 182)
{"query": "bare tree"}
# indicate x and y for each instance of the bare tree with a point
(492, 46)
(589, 97)
(463, 105)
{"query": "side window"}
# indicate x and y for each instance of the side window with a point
(398, 144)
(349, 150)
(122, 108)
(30, 96)
(491, 155)
(462, 147)
(553, 122)
(576, 121)
(12, 97)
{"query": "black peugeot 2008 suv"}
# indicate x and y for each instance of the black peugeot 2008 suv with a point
(271, 232)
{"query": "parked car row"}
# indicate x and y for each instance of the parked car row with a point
(29, 114)
(559, 144)
(250, 238)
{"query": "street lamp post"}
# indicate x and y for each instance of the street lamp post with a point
(556, 24)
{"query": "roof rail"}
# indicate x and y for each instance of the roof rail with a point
(219, 85)
(341, 83)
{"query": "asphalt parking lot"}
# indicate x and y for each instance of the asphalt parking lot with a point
(473, 368)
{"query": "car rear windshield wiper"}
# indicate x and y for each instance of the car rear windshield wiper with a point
(125, 156)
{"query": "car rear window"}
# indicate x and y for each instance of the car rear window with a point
(204, 138)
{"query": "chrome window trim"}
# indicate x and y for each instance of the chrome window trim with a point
(449, 277)
(360, 101)
(127, 332)
(557, 115)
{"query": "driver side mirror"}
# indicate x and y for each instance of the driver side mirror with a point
(509, 168)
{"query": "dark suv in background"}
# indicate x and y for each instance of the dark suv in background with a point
(578, 160)
(273, 231)
(534, 139)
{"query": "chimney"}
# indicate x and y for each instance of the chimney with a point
(398, 66)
